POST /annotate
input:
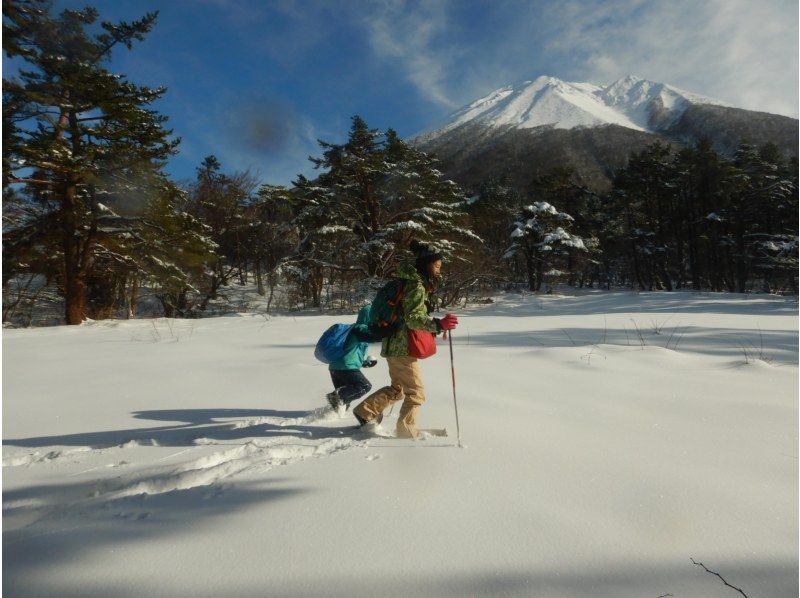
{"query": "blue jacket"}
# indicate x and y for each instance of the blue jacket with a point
(355, 350)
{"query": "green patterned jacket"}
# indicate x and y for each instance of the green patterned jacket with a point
(414, 314)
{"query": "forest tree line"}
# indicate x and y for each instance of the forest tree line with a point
(90, 212)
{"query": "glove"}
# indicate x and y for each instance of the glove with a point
(369, 362)
(362, 334)
(448, 322)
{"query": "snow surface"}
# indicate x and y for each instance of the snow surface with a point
(629, 102)
(610, 437)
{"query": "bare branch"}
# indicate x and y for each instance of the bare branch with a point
(718, 575)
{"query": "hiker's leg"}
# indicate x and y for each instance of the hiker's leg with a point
(379, 400)
(411, 381)
(352, 385)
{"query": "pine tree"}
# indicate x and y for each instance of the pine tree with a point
(322, 240)
(763, 204)
(272, 235)
(419, 201)
(80, 132)
(702, 180)
(219, 201)
(384, 192)
(490, 209)
(173, 250)
(375, 193)
(560, 188)
(643, 195)
(540, 235)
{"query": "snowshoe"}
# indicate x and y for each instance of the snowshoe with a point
(424, 433)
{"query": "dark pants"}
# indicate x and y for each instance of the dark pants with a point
(350, 384)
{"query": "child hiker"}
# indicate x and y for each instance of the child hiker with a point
(348, 382)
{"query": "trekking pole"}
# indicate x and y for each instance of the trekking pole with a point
(453, 373)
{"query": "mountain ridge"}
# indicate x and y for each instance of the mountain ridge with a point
(631, 101)
(528, 127)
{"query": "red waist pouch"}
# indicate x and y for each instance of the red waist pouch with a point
(421, 343)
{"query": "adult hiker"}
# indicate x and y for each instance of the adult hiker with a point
(349, 384)
(418, 283)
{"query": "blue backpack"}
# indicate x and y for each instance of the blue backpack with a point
(330, 346)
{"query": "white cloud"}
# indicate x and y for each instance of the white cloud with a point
(408, 32)
(742, 52)
(739, 51)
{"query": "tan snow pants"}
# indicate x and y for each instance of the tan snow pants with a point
(406, 385)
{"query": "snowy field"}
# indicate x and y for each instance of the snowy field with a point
(609, 438)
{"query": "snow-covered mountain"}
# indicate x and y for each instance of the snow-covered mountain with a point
(630, 102)
(529, 128)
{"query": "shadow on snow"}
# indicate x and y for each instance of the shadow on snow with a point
(199, 423)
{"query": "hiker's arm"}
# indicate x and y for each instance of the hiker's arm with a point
(362, 333)
(414, 311)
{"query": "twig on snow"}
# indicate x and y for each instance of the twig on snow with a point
(718, 575)
(677, 340)
(642, 342)
(588, 356)
(658, 326)
(568, 336)
(533, 338)
(155, 333)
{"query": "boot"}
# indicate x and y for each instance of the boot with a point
(362, 422)
(334, 400)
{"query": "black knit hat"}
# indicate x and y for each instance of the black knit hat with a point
(425, 254)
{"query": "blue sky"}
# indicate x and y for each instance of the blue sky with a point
(257, 82)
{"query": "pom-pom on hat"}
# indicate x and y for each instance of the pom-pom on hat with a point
(424, 253)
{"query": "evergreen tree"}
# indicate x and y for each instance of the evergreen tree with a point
(702, 186)
(696, 218)
(493, 206)
(272, 235)
(219, 201)
(642, 197)
(375, 194)
(763, 213)
(173, 250)
(79, 133)
(559, 187)
(321, 240)
(541, 237)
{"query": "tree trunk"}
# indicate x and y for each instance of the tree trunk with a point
(570, 268)
(168, 305)
(271, 283)
(530, 271)
(74, 282)
(133, 298)
(665, 278)
(741, 263)
(216, 283)
(259, 279)
(75, 300)
(694, 271)
(637, 271)
(539, 275)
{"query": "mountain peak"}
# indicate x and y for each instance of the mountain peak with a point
(543, 80)
(628, 80)
(631, 102)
